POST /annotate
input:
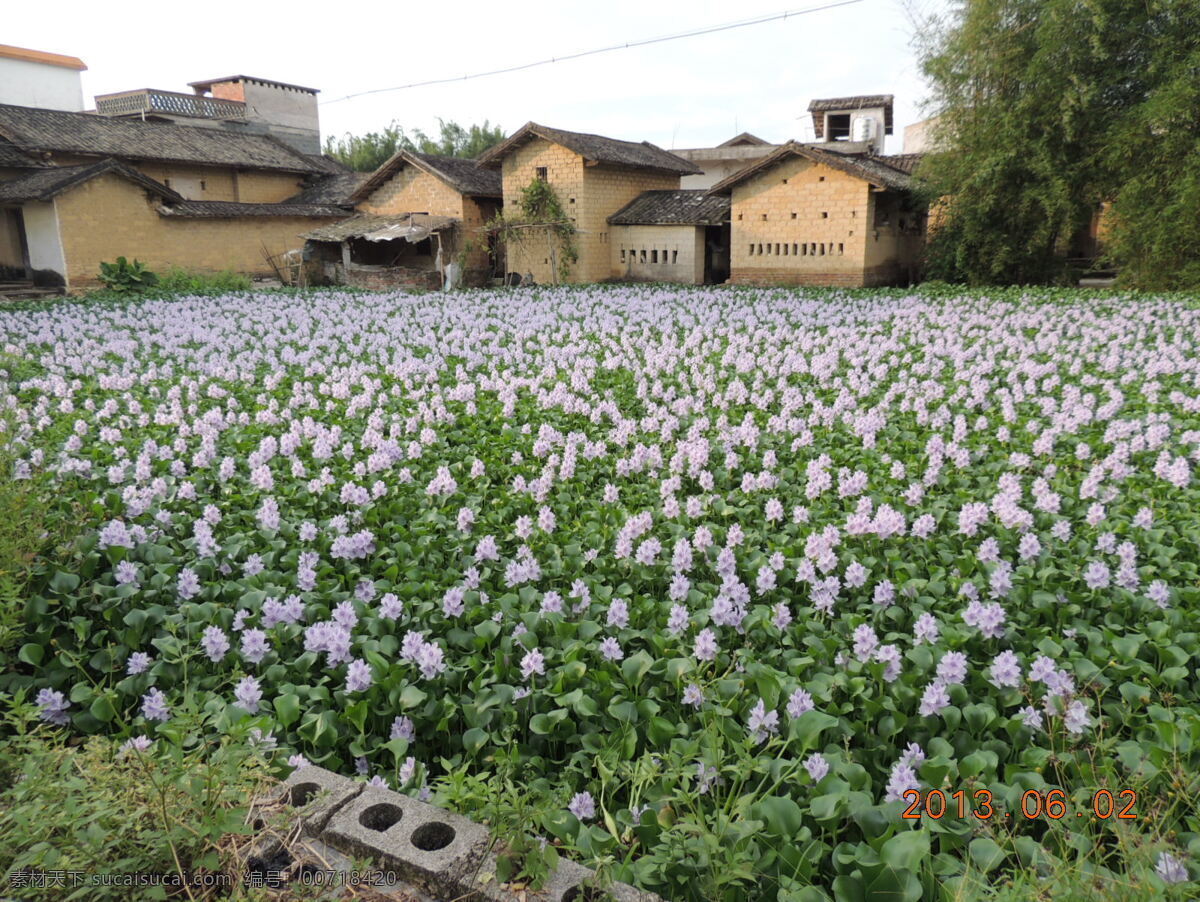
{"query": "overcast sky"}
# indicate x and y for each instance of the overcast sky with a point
(693, 92)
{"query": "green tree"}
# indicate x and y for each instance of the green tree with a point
(368, 152)
(539, 215)
(1042, 106)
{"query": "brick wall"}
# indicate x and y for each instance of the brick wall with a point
(605, 191)
(657, 253)
(800, 223)
(109, 217)
(564, 172)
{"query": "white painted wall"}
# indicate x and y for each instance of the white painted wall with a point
(25, 83)
(45, 242)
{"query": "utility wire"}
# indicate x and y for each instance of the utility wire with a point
(729, 26)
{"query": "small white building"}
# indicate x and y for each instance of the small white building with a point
(34, 78)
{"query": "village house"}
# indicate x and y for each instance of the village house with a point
(419, 222)
(78, 188)
(593, 176)
(808, 216)
(671, 236)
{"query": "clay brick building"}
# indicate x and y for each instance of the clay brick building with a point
(78, 188)
(808, 216)
(593, 176)
(671, 236)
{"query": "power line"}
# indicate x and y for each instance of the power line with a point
(729, 26)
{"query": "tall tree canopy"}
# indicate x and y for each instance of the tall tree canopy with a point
(1048, 108)
(365, 153)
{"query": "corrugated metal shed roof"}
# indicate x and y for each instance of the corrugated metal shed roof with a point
(594, 148)
(684, 207)
(83, 133)
(411, 226)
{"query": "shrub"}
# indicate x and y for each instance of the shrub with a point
(177, 280)
(124, 277)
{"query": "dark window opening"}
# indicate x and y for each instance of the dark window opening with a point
(654, 256)
(777, 249)
(841, 248)
(820, 178)
(837, 126)
(824, 214)
(764, 216)
(541, 173)
(643, 255)
(203, 185)
(751, 250)
(793, 216)
(674, 257)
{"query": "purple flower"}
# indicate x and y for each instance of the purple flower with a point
(431, 660)
(298, 761)
(402, 728)
(154, 706)
(215, 643)
(583, 806)
(611, 649)
(1076, 718)
(693, 696)
(618, 613)
(762, 723)
(799, 702)
(533, 662)
(935, 699)
(926, 630)
(865, 642)
(188, 585)
(358, 675)
(139, 662)
(134, 744)
(817, 767)
(1006, 670)
(126, 573)
(53, 706)
(678, 620)
(705, 648)
(952, 668)
(1170, 869)
(255, 645)
(248, 694)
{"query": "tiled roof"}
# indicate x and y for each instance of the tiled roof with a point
(221, 209)
(13, 157)
(83, 133)
(594, 148)
(684, 207)
(335, 188)
(867, 167)
(460, 174)
(743, 140)
(905, 162)
(412, 226)
(857, 102)
(44, 184)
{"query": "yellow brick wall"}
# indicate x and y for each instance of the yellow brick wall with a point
(605, 191)
(564, 172)
(800, 222)
(220, 182)
(589, 194)
(413, 190)
(657, 253)
(110, 217)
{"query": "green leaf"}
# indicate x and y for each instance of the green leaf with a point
(474, 740)
(986, 854)
(908, 849)
(64, 583)
(781, 814)
(287, 709)
(31, 653)
(806, 728)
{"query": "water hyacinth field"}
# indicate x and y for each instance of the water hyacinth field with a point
(695, 585)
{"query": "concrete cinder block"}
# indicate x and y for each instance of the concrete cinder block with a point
(436, 850)
(320, 794)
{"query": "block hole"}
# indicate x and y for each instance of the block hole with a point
(433, 836)
(302, 793)
(270, 868)
(381, 816)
